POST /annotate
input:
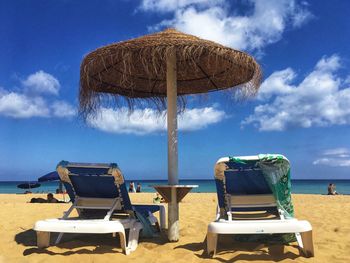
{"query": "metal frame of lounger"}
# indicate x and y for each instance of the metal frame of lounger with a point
(279, 225)
(135, 207)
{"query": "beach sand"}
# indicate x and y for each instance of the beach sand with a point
(329, 216)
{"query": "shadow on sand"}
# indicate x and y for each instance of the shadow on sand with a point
(77, 243)
(256, 252)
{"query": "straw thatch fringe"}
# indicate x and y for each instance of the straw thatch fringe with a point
(133, 72)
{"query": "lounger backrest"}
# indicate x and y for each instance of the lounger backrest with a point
(242, 185)
(94, 186)
(88, 170)
(93, 181)
(246, 182)
(253, 181)
(247, 188)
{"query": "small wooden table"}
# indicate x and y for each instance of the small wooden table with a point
(181, 191)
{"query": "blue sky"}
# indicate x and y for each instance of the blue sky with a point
(301, 111)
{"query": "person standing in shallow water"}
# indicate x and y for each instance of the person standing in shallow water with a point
(132, 187)
(138, 189)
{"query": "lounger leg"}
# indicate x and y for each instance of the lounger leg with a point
(66, 215)
(212, 240)
(58, 240)
(154, 221)
(123, 243)
(134, 236)
(162, 217)
(299, 240)
(42, 239)
(308, 246)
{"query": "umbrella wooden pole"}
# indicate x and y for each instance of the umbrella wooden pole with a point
(173, 206)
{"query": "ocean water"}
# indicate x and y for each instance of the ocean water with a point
(204, 186)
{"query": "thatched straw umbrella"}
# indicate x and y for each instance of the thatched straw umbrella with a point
(160, 69)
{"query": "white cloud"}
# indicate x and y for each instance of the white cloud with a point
(172, 5)
(145, 121)
(62, 109)
(278, 83)
(320, 99)
(20, 106)
(340, 152)
(301, 15)
(333, 162)
(200, 118)
(347, 80)
(338, 157)
(263, 22)
(120, 121)
(41, 82)
(31, 102)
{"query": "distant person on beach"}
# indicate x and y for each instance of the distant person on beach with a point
(132, 187)
(38, 200)
(331, 189)
(50, 199)
(138, 189)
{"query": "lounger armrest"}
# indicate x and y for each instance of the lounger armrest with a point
(282, 214)
(153, 220)
(229, 216)
(217, 213)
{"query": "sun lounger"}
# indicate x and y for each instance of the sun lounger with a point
(99, 195)
(254, 202)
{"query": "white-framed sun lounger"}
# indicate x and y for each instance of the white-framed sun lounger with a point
(238, 223)
(120, 213)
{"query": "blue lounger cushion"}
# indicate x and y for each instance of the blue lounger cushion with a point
(246, 182)
(87, 185)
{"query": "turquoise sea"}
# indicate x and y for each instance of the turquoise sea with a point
(205, 186)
